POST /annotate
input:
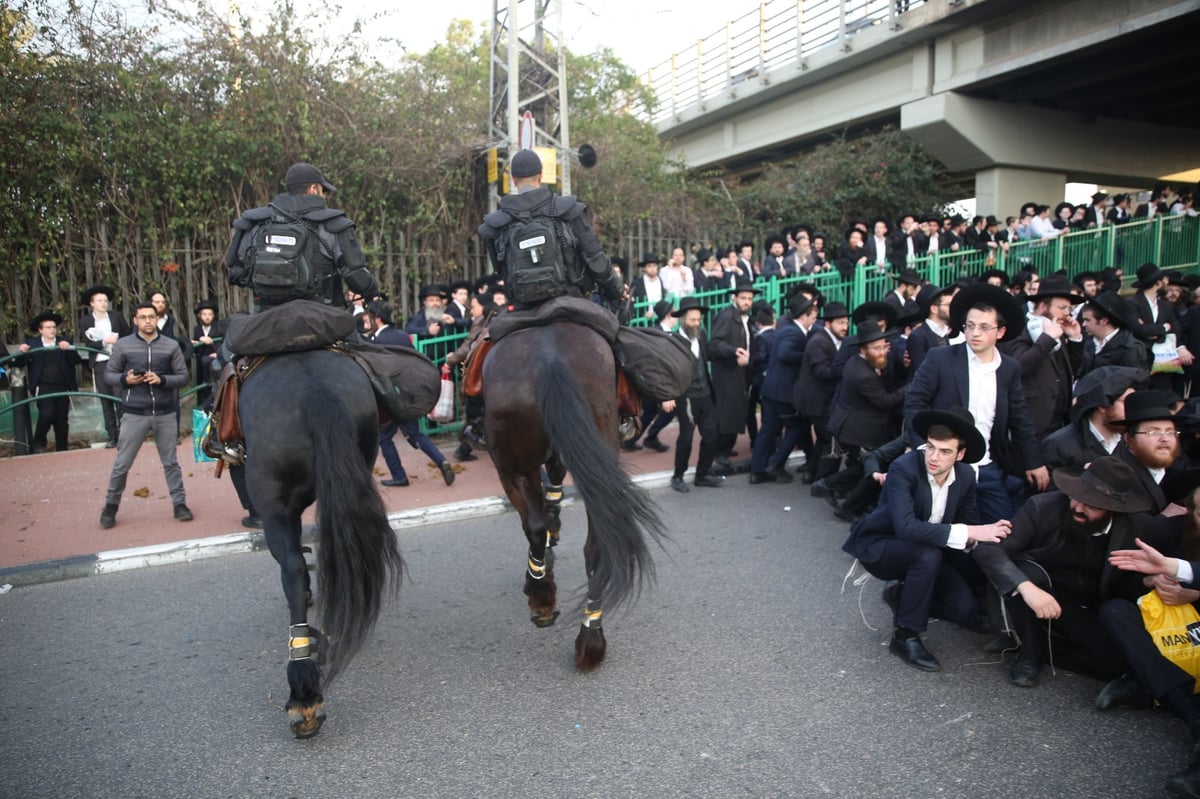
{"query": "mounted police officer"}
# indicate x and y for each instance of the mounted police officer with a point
(544, 247)
(271, 254)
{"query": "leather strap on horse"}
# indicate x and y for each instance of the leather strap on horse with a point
(226, 421)
(473, 371)
(629, 403)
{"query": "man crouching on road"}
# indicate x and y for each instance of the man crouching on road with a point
(147, 369)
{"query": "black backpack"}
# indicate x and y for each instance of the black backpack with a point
(281, 258)
(534, 256)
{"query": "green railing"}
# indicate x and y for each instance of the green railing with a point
(1172, 242)
(436, 350)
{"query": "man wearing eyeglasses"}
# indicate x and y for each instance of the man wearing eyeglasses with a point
(1151, 440)
(147, 369)
(977, 376)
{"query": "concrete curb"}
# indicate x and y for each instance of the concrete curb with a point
(119, 560)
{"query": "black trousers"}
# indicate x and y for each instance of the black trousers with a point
(1123, 621)
(112, 417)
(696, 414)
(939, 582)
(1080, 641)
(52, 413)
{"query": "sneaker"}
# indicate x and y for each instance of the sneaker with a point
(656, 445)
(183, 513)
(108, 516)
(463, 455)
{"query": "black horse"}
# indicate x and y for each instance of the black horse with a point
(551, 401)
(310, 424)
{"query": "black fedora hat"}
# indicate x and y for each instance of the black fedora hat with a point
(909, 276)
(432, 290)
(960, 421)
(690, 304)
(1083, 277)
(774, 238)
(1151, 405)
(200, 306)
(929, 293)
(834, 310)
(1113, 307)
(1147, 275)
(649, 258)
(86, 297)
(1005, 304)
(744, 285)
(875, 310)
(1100, 387)
(45, 316)
(1107, 483)
(997, 273)
(800, 305)
(1056, 286)
(662, 309)
(458, 284)
(866, 333)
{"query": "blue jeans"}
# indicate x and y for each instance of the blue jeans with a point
(414, 436)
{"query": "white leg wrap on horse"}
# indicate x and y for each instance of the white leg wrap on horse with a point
(537, 568)
(301, 644)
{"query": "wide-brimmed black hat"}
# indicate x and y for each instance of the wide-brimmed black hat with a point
(1098, 196)
(800, 305)
(866, 333)
(961, 422)
(432, 290)
(690, 304)
(45, 316)
(774, 238)
(662, 309)
(991, 221)
(303, 174)
(702, 255)
(209, 304)
(1055, 286)
(929, 293)
(649, 258)
(456, 285)
(1151, 405)
(1114, 307)
(834, 310)
(744, 285)
(617, 261)
(875, 310)
(1000, 273)
(909, 276)
(1107, 483)
(1147, 275)
(86, 297)
(1006, 304)
(1100, 387)
(1084, 277)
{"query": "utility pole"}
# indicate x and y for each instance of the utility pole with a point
(527, 71)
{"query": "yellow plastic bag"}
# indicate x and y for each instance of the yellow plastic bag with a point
(1175, 630)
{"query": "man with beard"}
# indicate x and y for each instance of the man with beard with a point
(695, 409)
(729, 350)
(432, 320)
(1054, 567)
(812, 393)
(1106, 319)
(935, 330)
(1151, 440)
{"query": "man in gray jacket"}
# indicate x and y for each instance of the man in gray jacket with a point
(147, 369)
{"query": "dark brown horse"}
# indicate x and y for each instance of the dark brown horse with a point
(551, 401)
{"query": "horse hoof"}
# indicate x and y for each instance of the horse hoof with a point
(306, 722)
(590, 648)
(544, 619)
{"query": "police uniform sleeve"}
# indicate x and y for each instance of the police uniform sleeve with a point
(351, 262)
(598, 265)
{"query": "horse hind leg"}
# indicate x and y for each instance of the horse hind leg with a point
(540, 587)
(590, 646)
(556, 472)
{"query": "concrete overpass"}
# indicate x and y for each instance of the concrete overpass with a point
(1025, 95)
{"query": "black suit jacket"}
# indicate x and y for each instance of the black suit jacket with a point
(920, 341)
(729, 380)
(637, 289)
(1047, 376)
(904, 508)
(783, 368)
(1150, 329)
(866, 415)
(942, 382)
(39, 357)
(1074, 446)
(1123, 350)
(817, 380)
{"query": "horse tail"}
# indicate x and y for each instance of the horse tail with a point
(621, 513)
(357, 552)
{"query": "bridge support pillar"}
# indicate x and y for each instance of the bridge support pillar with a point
(1001, 190)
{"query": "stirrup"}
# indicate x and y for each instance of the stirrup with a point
(631, 428)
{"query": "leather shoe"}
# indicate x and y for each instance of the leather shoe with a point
(723, 460)
(1185, 783)
(183, 513)
(1024, 673)
(914, 653)
(253, 521)
(761, 477)
(708, 481)
(805, 477)
(842, 512)
(464, 455)
(447, 472)
(717, 470)
(108, 516)
(680, 486)
(401, 483)
(820, 489)
(656, 445)
(781, 474)
(631, 446)
(1001, 642)
(1127, 692)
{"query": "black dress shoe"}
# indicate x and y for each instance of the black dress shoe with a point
(464, 455)
(914, 653)
(394, 483)
(1124, 692)
(631, 446)
(842, 512)
(708, 481)
(781, 474)
(254, 522)
(447, 472)
(1001, 642)
(805, 477)
(656, 445)
(761, 477)
(680, 486)
(722, 460)
(1024, 673)
(1186, 783)
(820, 488)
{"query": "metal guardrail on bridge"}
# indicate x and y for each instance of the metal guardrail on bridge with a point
(747, 49)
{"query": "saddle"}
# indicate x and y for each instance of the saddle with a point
(225, 441)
